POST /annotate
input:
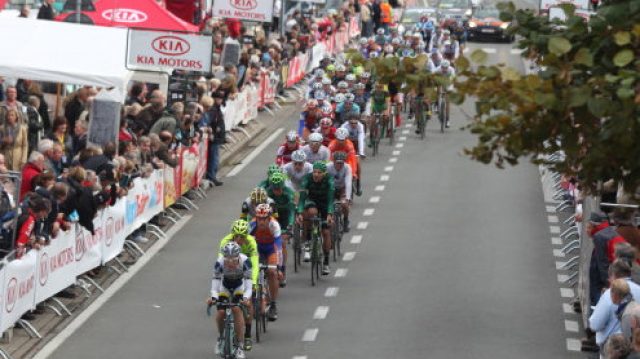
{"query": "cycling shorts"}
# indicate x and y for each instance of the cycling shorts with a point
(226, 295)
(340, 194)
(271, 254)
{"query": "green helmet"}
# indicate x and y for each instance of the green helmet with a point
(240, 227)
(273, 168)
(320, 165)
(277, 179)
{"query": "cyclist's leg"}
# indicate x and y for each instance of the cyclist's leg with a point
(238, 321)
(284, 225)
(222, 297)
(326, 235)
(447, 105)
(272, 274)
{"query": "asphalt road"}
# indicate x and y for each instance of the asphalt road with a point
(455, 262)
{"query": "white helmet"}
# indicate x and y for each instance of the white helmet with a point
(298, 156)
(380, 31)
(326, 81)
(315, 137)
(317, 86)
(339, 98)
(343, 85)
(349, 97)
(340, 68)
(342, 134)
(292, 136)
(363, 41)
(445, 64)
(350, 77)
(319, 72)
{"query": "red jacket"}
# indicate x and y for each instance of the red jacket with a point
(29, 171)
(24, 232)
(611, 244)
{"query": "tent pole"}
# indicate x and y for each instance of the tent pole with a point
(58, 93)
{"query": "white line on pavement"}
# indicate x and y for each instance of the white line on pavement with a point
(395, 152)
(556, 241)
(362, 225)
(331, 292)
(552, 219)
(254, 153)
(566, 292)
(574, 345)
(567, 308)
(402, 138)
(558, 253)
(406, 132)
(388, 168)
(76, 323)
(321, 312)
(393, 159)
(571, 326)
(356, 239)
(399, 145)
(341, 272)
(310, 335)
(348, 256)
(554, 229)
(384, 178)
(562, 278)
(300, 357)
(368, 212)
(379, 188)
(374, 199)
(489, 50)
(408, 125)
(516, 51)
(551, 209)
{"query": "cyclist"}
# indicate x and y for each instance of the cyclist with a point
(380, 104)
(316, 199)
(273, 168)
(231, 282)
(356, 133)
(365, 78)
(341, 72)
(328, 89)
(342, 179)
(240, 235)
(283, 197)
(361, 98)
(351, 80)
(297, 169)
(447, 70)
(267, 233)
(343, 144)
(258, 196)
(345, 109)
(309, 117)
(314, 150)
(327, 130)
(421, 108)
(292, 144)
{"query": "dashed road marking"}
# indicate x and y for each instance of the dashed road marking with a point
(393, 159)
(300, 357)
(348, 256)
(408, 125)
(362, 225)
(310, 335)
(406, 132)
(374, 199)
(379, 188)
(516, 51)
(552, 219)
(562, 278)
(558, 253)
(395, 152)
(567, 308)
(571, 326)
(321, 312)
(368, 212)
(341, 272)
(399, 145)
(384, 178)
(556, 241)
(331, 292)
(402, 138)
(489, 50)
(356, 239)
(573, 344)
(554, 229)
(551, 209)
(566, 293)
(388, 168)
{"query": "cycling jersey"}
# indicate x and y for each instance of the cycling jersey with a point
(328, 134)
(346, 147)
(323, 154)
(311, 117)
(449, 72)
(249, 249)
(342, 179)
(249, 210)
(284, 206)
(283, 154)
(354, 108)
(267, 238)
(356, 135)
(295, 178)
(229, 281)
(379, 101)
(320, 193)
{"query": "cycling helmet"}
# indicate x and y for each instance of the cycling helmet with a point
(327, 111)
(363, 41)
(446, 32)
(298, 156)
(231, 250)
(445, 64)
(331, 68)
(340, 68)
(320, 165)
(263, 210)
(258, 195)
(325, 122)
(408, 34)
(342, 134)
(365, 75)
(277, 179)
(359, 87)
(350, 77)
(315, 137)
(395, 41)
(380, 32)
(349, 97)
(317, 86)
(388, 48)
(319, 72)
(292, 136)
(417, 36)
(240, 227)
(326, 81)
(319, 95)
(339, 157)
(273, 168)
(343, 85)
(339, 98)
(374, 55)
(312, 103)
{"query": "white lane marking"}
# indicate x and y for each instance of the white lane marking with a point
(388, 168)
(559, 265)
(300, 357)
(384, 178)
(393, 159)
(362, 225)
(321, 312)
(551, 209)
(516, 51)
(396, 153)
(254, 153)
(567, 308)
(556, 241)
(402, 138)
(466, 50)
(348, 256)
(571, 326)
(310, 335)
(573, 344)
(374, 199)
(558, 253)
(341, 272)
(406, 132)
(76, 323)
(554, 229)
(562, 278)
(408, 125)
(399, 145)
(331, 292)
(552, 219)
(379, 188)
(489, 50)
(368, 212)
(356, 239)
(566, 293)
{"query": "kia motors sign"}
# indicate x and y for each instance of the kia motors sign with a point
(251, 10)
(160, 51)
(125, 16)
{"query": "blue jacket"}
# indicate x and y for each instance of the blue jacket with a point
(603, 320)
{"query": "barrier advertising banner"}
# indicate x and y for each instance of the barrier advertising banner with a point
(189, 167)
(113, 220)
(144, 200)
(88, 247)
(19, 289)
(56, 268)
(171, 185)
(250, 10)
(157, 50)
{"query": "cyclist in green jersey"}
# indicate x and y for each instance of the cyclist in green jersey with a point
(283, 197)
(273, 168)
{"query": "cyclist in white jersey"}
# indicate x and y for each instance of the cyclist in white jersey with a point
(342, 181)
(297, 169)
(315, 150)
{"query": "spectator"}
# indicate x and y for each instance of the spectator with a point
(25, 11)
(60, 135)
(617, 347)
(56, 193)
(622, 297)
(34, 167)
(217, 137)
(76, 104)
(152, 113)
(125, 134)
(35, 122)
(79, 138)
(43, 108)
(137, 94)
(15, 142)
(11, 102)
(81, 199)
(229, 88)
(46, 11)
(604, 240)
(53, 154)
(629, 255)
(366, 19)
(161, 150)
(623, 219)
(22, 88)
(169, 119)
(37, 209)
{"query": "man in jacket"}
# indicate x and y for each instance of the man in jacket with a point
(148, 117)
(34, 167)
(217, 137)
(46, 11)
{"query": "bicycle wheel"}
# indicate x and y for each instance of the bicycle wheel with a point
(296, 247)
(423, 128)
(392, 127)
(257, 312)
(228, 341)
(314, 260)
(334, 231)
(267, 299)
(441, 114)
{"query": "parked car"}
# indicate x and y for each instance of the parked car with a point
(411, 16)
(485, 23)
(454, 10)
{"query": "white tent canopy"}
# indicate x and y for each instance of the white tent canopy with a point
(64, 52)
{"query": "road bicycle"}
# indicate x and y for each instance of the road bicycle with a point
(315, 248)
(442, 106)
(375, 132)
(421, 116)
(260, 299)
(297, 246)
(337, 230)
(229, 340)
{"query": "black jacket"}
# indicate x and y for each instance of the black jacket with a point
(216, 122)
(72, 112)
(46, 12)
(82, 200)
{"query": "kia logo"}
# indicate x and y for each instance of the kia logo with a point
(124, 15)
(44, 269)
(80, 244)
(171, 45)
(244, 4)
(108, 228)
(12, 294)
